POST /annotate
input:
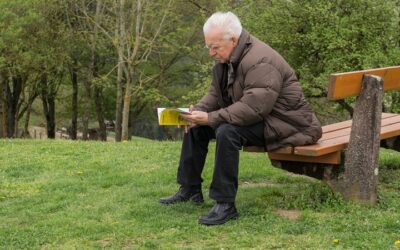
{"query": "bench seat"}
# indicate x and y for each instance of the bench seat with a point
(335, 138)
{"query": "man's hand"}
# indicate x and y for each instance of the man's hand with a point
(197, 117)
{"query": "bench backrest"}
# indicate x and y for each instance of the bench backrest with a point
(344, 85)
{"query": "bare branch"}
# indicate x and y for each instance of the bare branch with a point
(109, 72)
(199, 6)
(137, 34)
(149, 47)
(104, 31)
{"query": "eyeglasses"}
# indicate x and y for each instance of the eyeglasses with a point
(212, 47)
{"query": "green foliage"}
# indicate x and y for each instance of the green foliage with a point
(66, 195)
(15, 31)
(322, 37)
(202, 80)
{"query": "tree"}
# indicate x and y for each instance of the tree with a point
(51, 38)
(133, 38)
(139, 79)
(134, 51)
(16, 58)
(84, 19)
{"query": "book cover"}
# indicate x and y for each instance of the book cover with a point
(171, 116)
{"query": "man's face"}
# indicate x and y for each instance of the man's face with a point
(219, 48)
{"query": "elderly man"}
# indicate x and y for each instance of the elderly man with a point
(254, 99)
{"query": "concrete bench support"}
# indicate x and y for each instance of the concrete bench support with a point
(359, 180)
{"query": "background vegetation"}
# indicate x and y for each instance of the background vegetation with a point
(81, 63)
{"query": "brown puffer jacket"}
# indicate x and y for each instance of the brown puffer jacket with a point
(262, 87)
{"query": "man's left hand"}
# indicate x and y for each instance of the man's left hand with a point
(197, 117)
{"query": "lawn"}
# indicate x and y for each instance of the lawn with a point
(96, 195)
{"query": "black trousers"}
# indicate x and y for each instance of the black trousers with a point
(229, 141)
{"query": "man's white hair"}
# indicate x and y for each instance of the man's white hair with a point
(227, 22)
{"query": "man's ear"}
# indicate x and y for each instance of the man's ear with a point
(235, 41)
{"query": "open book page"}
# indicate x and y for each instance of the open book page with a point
(170, 116)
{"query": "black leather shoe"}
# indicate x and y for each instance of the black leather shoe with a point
(184, 194)
(219, 214)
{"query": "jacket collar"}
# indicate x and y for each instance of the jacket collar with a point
(241, 48)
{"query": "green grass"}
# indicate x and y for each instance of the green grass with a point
(93, 195)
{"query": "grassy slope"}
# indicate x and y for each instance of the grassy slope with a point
(64, 194)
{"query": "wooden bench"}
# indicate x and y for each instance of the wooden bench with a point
(330, 158)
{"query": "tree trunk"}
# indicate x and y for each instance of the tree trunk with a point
(119, 101)
(97, 91)
(86, 111)
(74, 116)
(48, 102)
(26, 109)
(360, 178)
(1, 120)
(125, 112)
(119, 30)
(130, 69)
(51, 122)
(27, 118)
(12, 105)
(100, 114)
(92, 74)
(3, 107)
(121, 36)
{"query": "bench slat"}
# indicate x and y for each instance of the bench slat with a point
(348, 84)
(345, 130)
(339, 143)
(332, 158)
(390, 131)
(346, 124)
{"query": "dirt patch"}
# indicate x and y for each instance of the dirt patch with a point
(289, 214)
(303, 176)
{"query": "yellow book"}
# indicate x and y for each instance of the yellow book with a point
(171, 116)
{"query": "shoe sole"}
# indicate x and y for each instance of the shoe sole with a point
(215, 223)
